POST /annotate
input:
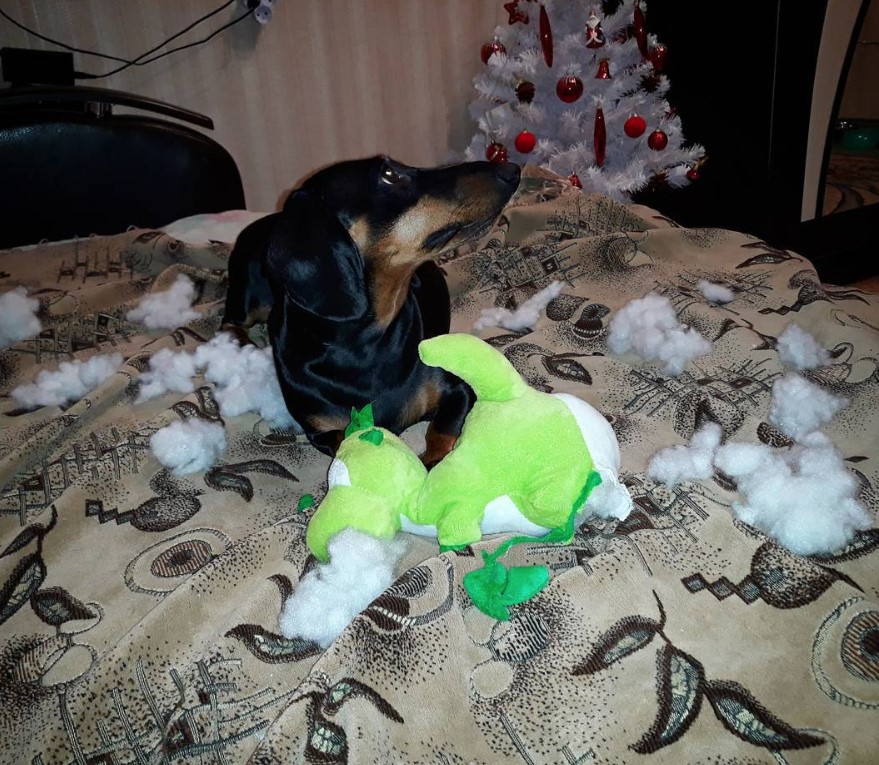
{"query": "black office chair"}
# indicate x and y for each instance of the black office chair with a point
(71, 167)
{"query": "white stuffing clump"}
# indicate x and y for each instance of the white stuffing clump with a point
(18, 317)
(245, 378)
(649, 328)
(687, 462)
(189, 446)
(70, 382)
(326, 599)
(166, 310)
(803, 497)
(800, 350)
(715, 293)
(525, 316)
(168, 371)
(800, 407)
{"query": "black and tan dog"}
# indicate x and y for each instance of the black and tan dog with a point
(343, 275)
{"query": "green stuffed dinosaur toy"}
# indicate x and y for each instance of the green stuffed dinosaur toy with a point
(526, 462)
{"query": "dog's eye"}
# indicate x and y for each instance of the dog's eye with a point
(390, 176)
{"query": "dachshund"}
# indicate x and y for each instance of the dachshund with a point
(345, 277)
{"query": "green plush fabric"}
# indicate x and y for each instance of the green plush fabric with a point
(372, 481)
(513, 442)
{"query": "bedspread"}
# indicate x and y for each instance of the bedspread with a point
(138, 610)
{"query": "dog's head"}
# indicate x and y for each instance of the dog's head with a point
(349, 239)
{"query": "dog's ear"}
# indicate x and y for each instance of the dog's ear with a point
(311, 254)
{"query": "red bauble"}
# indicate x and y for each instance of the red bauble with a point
(545, 32)
(525, 142)
(635, 126)
(525, 91)
(569, 88)
(658, 56)
(603, 72)
(490, 48)
(496, 152)
(693, 174)
(575, 180)
(657, 140)
(599, 137)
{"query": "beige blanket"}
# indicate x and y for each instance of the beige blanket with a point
(138, 611)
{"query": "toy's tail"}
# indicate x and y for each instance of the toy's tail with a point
(481, 366)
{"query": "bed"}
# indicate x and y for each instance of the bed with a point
(138, 609)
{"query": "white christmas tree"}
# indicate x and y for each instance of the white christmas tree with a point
(583, 95)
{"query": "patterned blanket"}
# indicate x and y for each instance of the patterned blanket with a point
(138, 610)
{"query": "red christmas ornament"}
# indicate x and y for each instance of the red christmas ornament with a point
(515, 14)
(525, 142)
(603, 72)
(657, 140)
(575, 180)
(594, 35)
(658, 56)
(490, 48)
(693, 174)
(599, 137)
(525, 91)
(545, 36)
(635, 126)
(640, 29)
(569, 88)
(496, 152)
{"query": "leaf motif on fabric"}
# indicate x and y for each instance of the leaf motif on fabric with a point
(284, 585)
(863, 543)
(499, 341)
(745, 717)
(563, 365)
(348, 688)
(273, 648)
(24, 581)
(230, 477)
(30, 533)
(24, 538)
(629, 634)
(55, 606)
(221, 479)
(680, 681)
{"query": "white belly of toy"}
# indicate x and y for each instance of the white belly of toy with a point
(502, 515)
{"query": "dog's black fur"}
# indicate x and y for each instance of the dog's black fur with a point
(344, 275)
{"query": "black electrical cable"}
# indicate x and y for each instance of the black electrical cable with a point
(139, 60)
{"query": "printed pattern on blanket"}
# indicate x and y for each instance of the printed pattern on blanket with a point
(138, 610)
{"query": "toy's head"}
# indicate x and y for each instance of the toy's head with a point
(372, 480)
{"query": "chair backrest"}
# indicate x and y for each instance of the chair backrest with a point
(66, 172)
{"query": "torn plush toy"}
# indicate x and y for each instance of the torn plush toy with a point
(527, 462)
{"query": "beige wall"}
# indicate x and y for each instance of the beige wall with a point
(324, 80)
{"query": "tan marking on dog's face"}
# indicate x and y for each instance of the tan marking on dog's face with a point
(390, 286)
(359, 233)
(416, 224)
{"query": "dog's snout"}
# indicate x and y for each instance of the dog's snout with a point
(509, 172)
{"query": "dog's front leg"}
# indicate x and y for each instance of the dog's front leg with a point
(442, 434)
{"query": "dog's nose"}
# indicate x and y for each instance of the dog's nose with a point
(508, 172)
